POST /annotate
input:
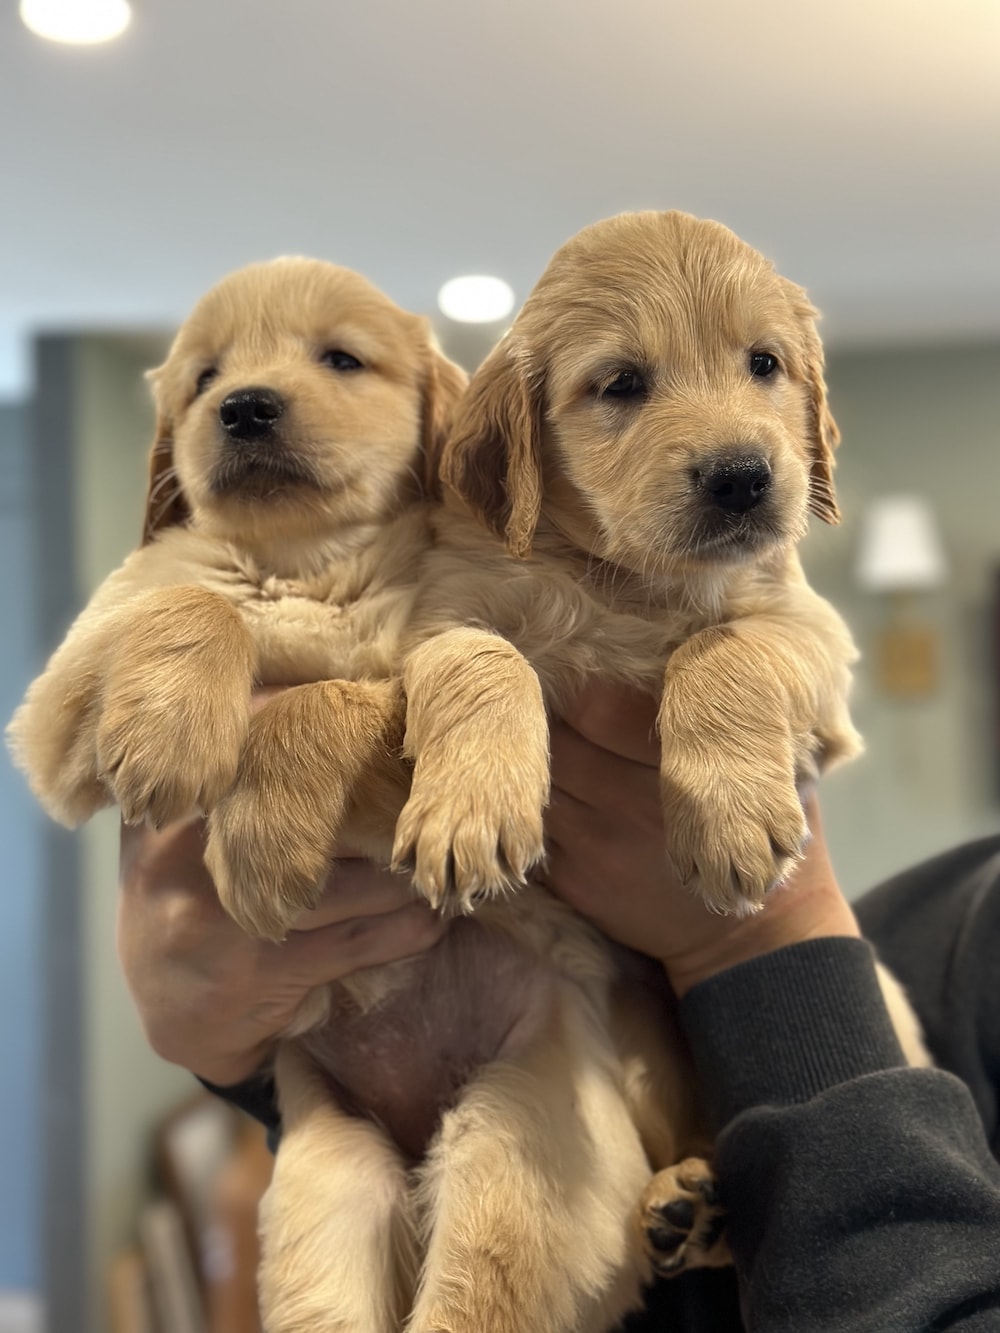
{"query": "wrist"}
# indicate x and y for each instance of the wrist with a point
(793, 914)
(225, 1071)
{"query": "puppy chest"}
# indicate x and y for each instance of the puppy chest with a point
(301, 640)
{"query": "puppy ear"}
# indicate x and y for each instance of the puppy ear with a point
(823, 433)
(166, 504)
(444, 385)
(493, 458)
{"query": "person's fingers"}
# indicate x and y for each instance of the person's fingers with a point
(619, 719)
(330, 953)
(602, 783)
(357, 888)
(154, 857)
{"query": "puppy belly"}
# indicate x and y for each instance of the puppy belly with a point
(475, 996)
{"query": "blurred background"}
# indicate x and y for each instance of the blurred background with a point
(856, 144)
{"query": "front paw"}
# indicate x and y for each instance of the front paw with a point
(271, 837)
(313, 756)
(165, 759)
(175, 704)
(735, 828)
(264, 875)
(464, 841)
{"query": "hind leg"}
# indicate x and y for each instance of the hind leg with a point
(528, 1193)
(338, 1253)
(681, 1221)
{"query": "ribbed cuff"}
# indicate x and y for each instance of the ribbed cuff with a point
(255, 1095)
(783, 1027)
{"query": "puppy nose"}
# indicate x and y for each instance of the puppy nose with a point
(737, 483)
(247, 414)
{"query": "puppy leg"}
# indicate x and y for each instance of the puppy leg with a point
(313, 755)
(53, 739)
(904, 1020)
(477, 731)
(529, 1191)
(338, 1253)
(176, 704)
(732, 810)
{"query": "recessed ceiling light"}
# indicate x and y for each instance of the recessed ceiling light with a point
(79, 21)
(476, 299)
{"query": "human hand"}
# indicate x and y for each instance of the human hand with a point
(213, 999)
(607, 851)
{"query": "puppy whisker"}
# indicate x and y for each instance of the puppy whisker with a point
(163, 494)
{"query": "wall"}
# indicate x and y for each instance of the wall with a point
(127, 1087)
(925, 420)
(20, 951)
(104, 1089)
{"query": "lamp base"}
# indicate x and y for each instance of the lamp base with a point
(908, 661)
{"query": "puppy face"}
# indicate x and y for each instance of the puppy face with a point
(297, 402)
(662, 389)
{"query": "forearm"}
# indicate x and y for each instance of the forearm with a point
(830, 1146)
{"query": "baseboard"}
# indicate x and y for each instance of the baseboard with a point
(20, 1312)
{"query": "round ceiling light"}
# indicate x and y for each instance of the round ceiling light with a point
(476, 299)
(78, 21)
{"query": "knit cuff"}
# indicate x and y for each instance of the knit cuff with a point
(783, 1027)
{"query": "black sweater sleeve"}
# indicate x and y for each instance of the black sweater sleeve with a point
(862, 1194)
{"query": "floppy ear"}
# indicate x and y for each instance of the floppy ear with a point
(493, 458)
(823, 433)
(444, 385)
(165, 501)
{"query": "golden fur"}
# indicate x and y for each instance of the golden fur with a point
(288, 560)
(584, 520)
(493, 1180)
(613, 567)
(466, 1141)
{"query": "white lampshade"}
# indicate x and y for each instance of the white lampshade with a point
(900, 548)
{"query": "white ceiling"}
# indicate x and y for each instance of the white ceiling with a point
(857, 142)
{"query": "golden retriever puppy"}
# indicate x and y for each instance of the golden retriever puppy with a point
(648, 441)
(628, 477)
(296, 416)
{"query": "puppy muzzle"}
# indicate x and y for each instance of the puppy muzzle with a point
(735, 510)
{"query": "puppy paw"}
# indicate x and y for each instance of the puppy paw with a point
(476, 844)
(681, 1223)
(271, 837)
(175, 705)
(313, 755)
(265, 873)
(165, 760)
(733, 833)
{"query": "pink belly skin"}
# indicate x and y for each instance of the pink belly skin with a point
(472, 998)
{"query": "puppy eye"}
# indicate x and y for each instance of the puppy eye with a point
(204, 380)
(338, 360)
(627, 384)
(763, 364)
